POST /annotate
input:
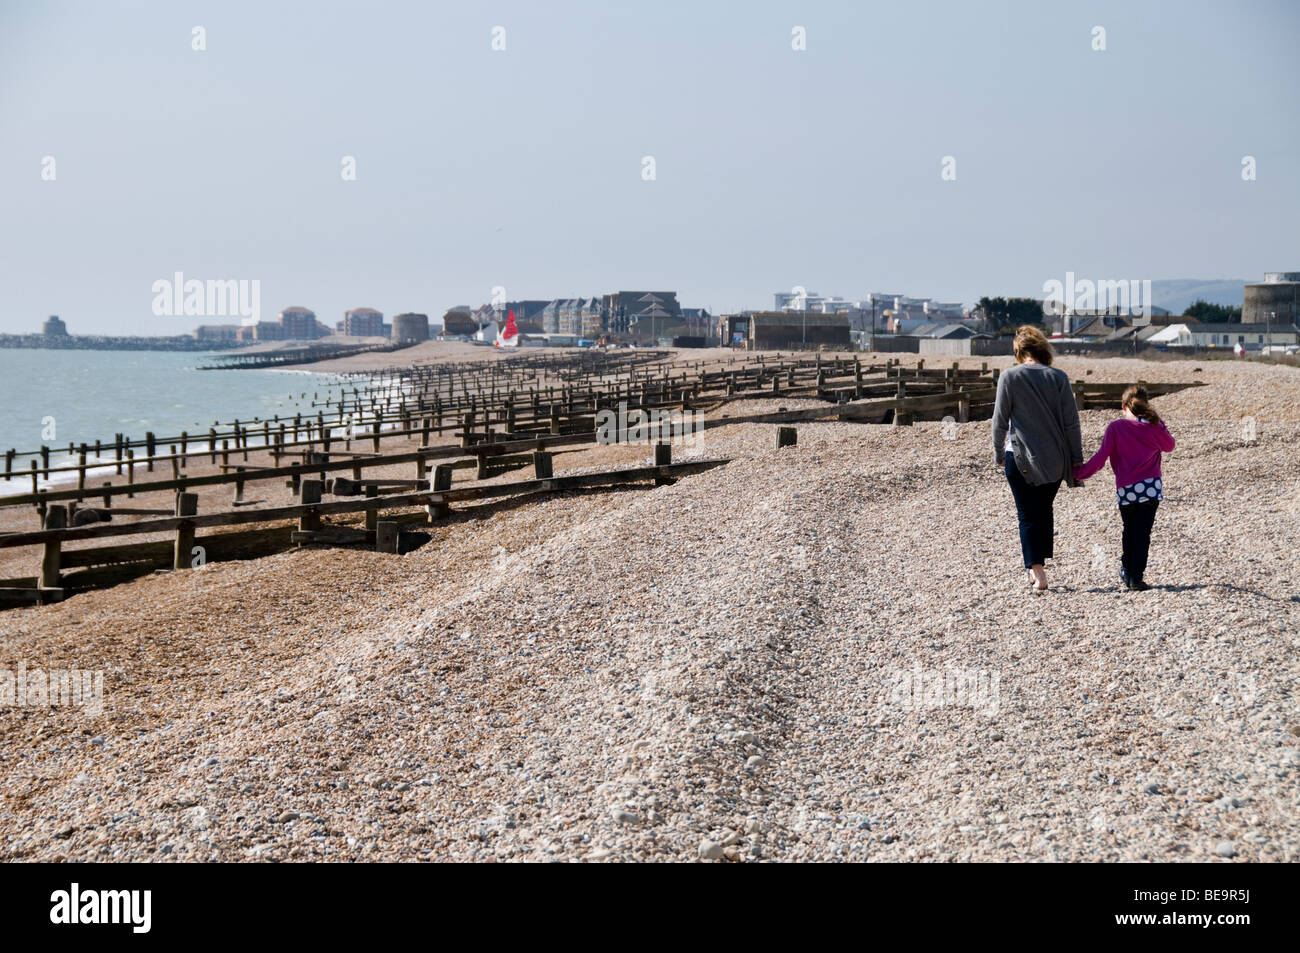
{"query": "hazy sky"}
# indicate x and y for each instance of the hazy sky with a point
(523, 167)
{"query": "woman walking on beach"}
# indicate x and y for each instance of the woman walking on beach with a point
(1037, 442)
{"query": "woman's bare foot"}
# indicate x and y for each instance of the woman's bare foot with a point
(1038, 576)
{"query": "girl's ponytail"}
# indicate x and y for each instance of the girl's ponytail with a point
(1138, 401)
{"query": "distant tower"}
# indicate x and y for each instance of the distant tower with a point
(54, 327)
(411, 327)
(1276, 300)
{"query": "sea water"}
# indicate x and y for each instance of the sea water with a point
(56, 397)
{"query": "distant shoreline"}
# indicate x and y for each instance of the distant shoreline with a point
(84, 342)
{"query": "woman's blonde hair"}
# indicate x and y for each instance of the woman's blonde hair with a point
(1137, 400)
(1030, 342)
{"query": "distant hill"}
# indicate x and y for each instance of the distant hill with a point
(1175, 294)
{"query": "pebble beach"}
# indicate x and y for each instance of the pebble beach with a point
(823, 652)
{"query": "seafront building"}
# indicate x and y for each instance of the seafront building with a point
(363, 323)
(635, 315)
(1251, 336)
(297, 324)
(458, 322)
(883, 308)
(785, 330)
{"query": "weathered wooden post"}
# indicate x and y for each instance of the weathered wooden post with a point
(372, 514)
(187, 504)
(441, 484)
(319, 459)
(81, 473)
(786, 437)
(239, 486)
(309, 495)
(130, 473)
(481, 471)
(542, 465)
(56, 517)
(663, 458)
(150, 447)
(386, 537)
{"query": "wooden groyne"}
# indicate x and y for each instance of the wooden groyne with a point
(500, 415)
(308, 354)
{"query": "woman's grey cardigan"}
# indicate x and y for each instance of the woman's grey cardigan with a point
(1035, 404)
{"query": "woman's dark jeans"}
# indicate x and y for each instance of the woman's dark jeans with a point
(1034, 507)
(1138, 519)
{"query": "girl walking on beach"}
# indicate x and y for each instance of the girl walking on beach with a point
(1133, 445)
(1036, 441)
